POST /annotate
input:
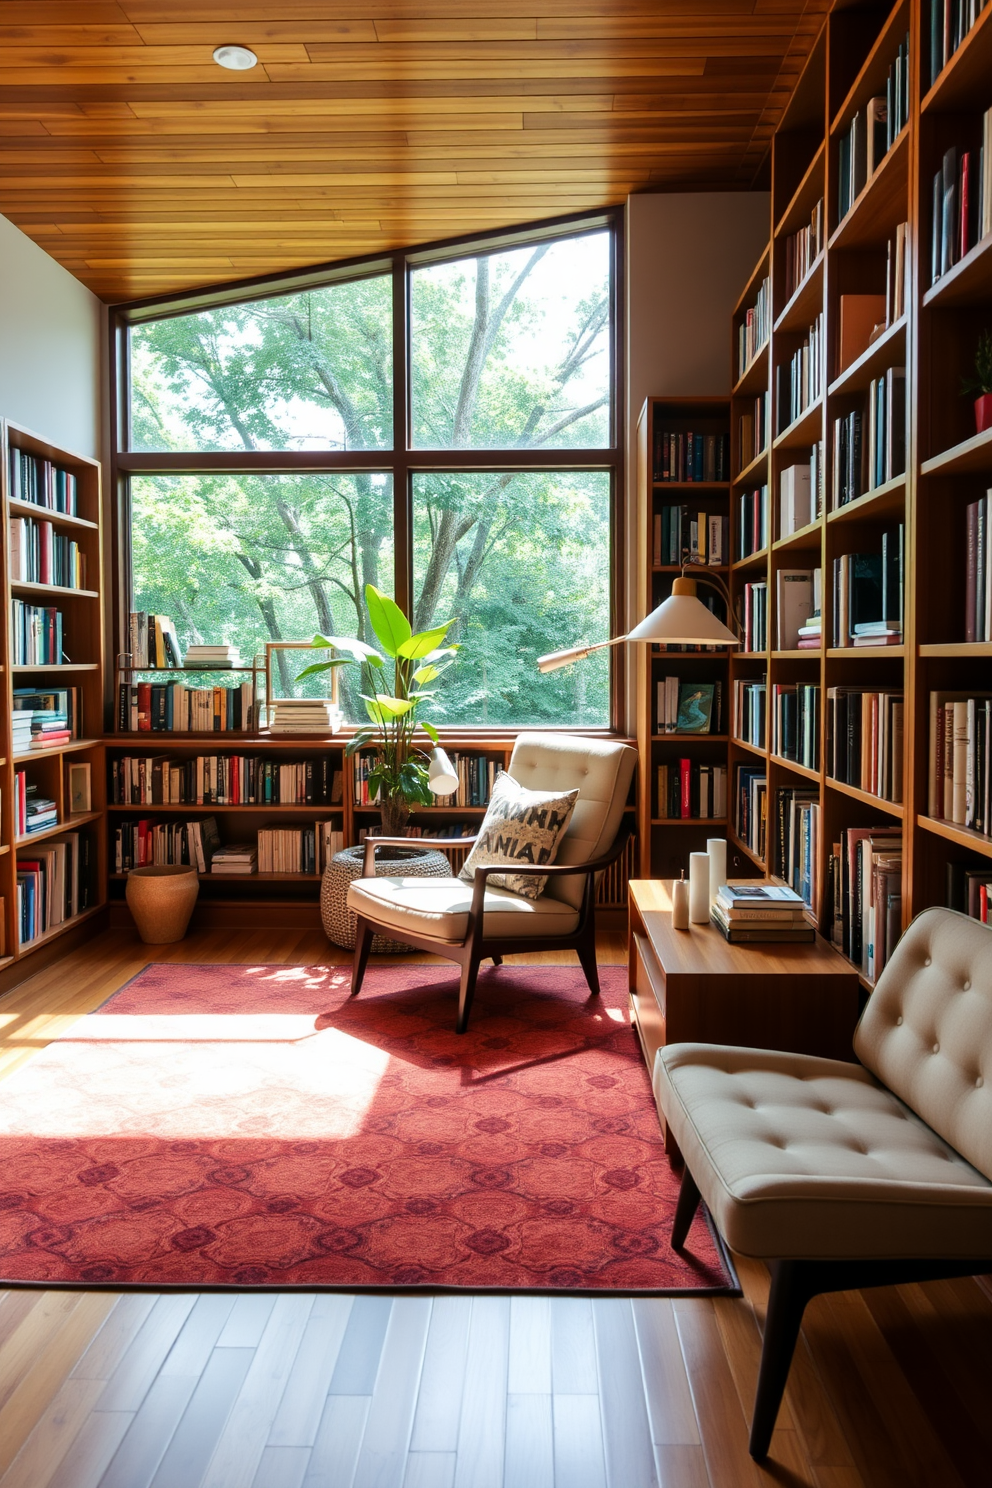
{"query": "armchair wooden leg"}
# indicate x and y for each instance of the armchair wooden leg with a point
(470, 972)
(497, 960)
(685, 1209)
(363, 945)
(790, 1292)
(586, 952)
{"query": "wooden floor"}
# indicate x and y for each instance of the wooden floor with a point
(890, 1389)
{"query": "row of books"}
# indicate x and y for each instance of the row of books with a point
(35, 635)
(40, 554)
(962, 203)
(681, 455)
(754, 431)
(298, 849)
(137, 844)
(864, 743)
(950, 22)
(681, 535)
(688, 707)
(751, 808)
(692, 791)
(172, 707)
(959, 761)
(796, 723)
(153, 641)
(755, 328)
(868, 594)
(33, 812)
(755, 615)
(224, 780)
(797, 823)
(805, 377)
(870, 443)
(42, 483)
(43, 718)
(895, 275)
(306, 848)
(750, 699)
(978, 570)
(866, 883)
(749, 912)
(476, 777)
(54, 884)
(872, 133)
(753, 522)
(800, 492)
(802, 250)
(969, 890)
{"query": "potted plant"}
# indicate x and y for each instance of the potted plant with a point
(399, 778)
(981, 383)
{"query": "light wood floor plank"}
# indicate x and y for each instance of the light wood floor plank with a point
(92, 1448)
(439, 1406)
(248, 1320)
(141, 1362)
(242, 1442)
(203, 1420)
(722, 1427)
(382, 1459)
(339, 1441)
(198, 1336)
(53, 1435)
(430, 1470)
(482, 1430)
(32, 1337)
(623, 1408)
(118, 1331)
(305, 1395)
(579, 1459)
(361, 1348)
(282, 1467)
(147, 1439)
(530, 1448)
(666, 1386)
(573, 1347)
(530, 1346)
(682, 1466)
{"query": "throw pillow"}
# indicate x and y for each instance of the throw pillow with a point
(521, 826)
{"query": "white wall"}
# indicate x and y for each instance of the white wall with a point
(50, 337)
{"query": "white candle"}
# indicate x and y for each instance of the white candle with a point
(699, 887)
(680, 904)
(716, 847)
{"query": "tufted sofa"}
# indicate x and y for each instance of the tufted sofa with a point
(845, 1175)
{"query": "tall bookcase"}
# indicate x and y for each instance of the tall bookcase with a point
(947, 465)
(81, 667)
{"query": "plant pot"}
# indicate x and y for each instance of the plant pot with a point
(161, 899)
(983, 413)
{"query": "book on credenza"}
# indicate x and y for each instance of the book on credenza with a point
(761, 912)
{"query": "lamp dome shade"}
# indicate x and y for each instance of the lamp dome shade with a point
(442, 777)
(682, 619)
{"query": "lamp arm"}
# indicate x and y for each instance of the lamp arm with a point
(717, 584)
(556, 659)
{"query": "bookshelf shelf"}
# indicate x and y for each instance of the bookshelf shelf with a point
(891, 808)
(805, 196)
(63, 666)
(43, 514)
(798, 653)
(691, 485)
(71, 747)
(806, 301)
(972, 455)
(871, 653)
(756, 376)
(753, 560)
(881, 204)
(803, 537)
(965, 78)
(891, 344)
(960, 836)
(979, 650)
(872, 74)
(687, 821)
(687, 568)
(797, 769)
(883, 501)
(71, 824)
(58, 930)
(732, 837)
(754, 470)
(757, 749)
(177, 808)
(23, 587)
(969, 282)
(699, 738)
(803, 430)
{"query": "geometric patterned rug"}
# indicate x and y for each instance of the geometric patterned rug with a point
(252, 1126)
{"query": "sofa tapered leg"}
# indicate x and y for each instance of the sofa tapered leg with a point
(787, 1300)
(685, 1209)
(363, 945)
(466, 992)
(586, 952)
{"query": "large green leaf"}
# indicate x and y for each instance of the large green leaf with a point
(388, 620)
(324, 666)
(419, 647)
(431, 732)
(394, 707)
(426, 674)
(357, 649)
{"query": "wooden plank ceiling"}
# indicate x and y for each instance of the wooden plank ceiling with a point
(145, 168)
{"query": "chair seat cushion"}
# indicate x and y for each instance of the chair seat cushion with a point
(805, 1158)
(439, 907)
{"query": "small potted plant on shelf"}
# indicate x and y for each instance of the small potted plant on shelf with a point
(981, 383)
(403, 775)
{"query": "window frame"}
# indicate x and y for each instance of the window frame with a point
(400, 458)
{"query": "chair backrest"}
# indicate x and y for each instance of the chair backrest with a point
(602, 769)
(926, 1032)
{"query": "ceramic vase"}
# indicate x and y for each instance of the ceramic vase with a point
(161, 899)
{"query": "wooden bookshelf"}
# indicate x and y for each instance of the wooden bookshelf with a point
(81, 667)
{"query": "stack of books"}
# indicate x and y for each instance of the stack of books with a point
(34, 813)
(20, 731)
(235, 857)
(759, 911)
(213, 658)
(303, 716)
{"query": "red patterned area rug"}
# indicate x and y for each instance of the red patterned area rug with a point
(251, 1126)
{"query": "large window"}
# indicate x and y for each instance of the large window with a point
(441, 426)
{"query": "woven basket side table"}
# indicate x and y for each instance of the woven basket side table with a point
(339, 921)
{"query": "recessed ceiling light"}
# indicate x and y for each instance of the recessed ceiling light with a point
(235, 58)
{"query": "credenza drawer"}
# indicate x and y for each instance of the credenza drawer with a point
(647, 996)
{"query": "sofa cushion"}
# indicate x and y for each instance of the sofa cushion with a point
(805, 1158)
(926, 1032)
(439, 907)
(520, 826)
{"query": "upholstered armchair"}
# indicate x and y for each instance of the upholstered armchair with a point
(470, 922)
(849, 1175)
